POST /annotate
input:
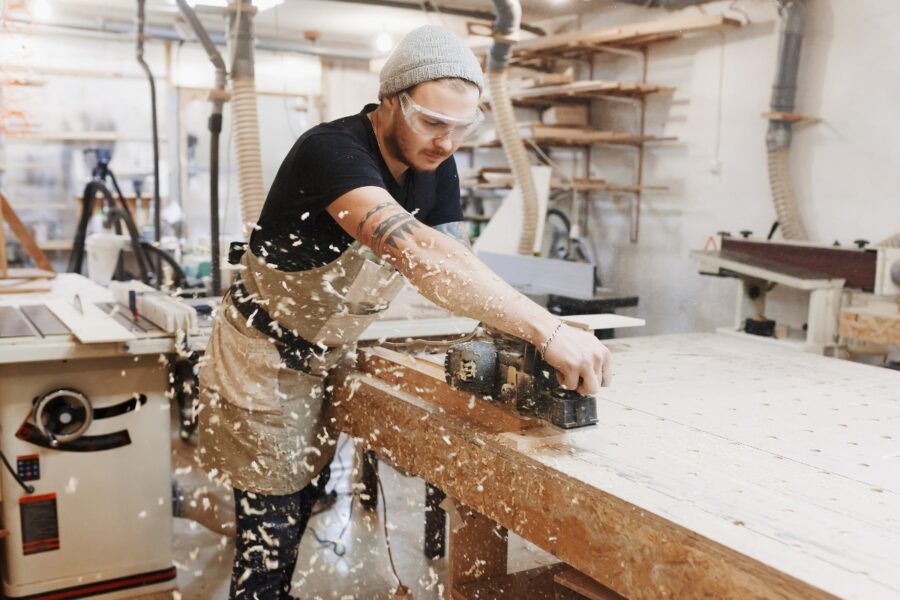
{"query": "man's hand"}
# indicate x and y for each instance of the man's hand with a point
(578, 355)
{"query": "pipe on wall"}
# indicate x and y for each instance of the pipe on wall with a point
(217, 98)
(139, 53)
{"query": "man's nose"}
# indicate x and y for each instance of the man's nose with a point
(445, 144)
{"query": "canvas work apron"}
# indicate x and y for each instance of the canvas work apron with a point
(262, 423)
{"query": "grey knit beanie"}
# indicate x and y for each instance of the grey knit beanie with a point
(428, 53)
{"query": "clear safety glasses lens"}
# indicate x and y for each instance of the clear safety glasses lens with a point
(431, 124)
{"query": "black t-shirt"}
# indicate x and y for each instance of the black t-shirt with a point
(296, 233)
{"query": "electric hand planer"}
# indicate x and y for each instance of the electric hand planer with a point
(510, 371)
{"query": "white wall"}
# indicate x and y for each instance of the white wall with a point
(846, 170)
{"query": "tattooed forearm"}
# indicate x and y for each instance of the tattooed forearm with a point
(385, 226)
(393, 229)
(369, 215)
(457, 230)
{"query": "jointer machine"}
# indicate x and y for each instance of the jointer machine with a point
(835, 278)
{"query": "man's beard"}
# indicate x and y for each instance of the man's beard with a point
(393, 145)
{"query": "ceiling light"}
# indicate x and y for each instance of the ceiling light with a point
(383, 42)
(216, 3)
(262, 5)
(41, 10)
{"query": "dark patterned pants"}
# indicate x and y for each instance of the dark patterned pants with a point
(267, 539)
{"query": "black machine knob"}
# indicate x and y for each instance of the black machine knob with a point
(745, 233)
(724, 233)
(861, 243)
(63, 415)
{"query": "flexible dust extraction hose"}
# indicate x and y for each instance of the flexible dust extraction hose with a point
(245, 117)
(778, 137)
(891, 242)
(506, 27)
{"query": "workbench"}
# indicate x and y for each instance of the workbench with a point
(721, 468)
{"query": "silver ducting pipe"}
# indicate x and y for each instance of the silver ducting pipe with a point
(217, 98)
(778, 137)
(139, 54)
(245, 117)
(506, 28)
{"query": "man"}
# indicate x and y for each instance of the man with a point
(355, 202)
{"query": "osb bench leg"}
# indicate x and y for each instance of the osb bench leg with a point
(478, 547)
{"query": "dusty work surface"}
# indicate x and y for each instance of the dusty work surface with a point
(789, 458)
(720, 467)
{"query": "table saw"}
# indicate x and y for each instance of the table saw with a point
(85, 429)
(719, 467)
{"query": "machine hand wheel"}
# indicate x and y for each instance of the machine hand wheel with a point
(63, 415)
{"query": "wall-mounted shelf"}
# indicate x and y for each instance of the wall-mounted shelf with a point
(561, 135)
(583, 91)
(553, 61)
(791, 117)
(578, 185)
(584, 43)
(77, 137)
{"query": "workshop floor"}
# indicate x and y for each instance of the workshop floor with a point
(362, 571)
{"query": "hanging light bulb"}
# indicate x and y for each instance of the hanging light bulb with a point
(383, 42)
(41, 9)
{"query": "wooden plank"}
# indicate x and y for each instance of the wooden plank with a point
(799, 493)
(641, 33)
(93, 326)
(571, 136)
(586, 90)
(580, 185)
(417, 328)
(24, 286)
(30, 274)
(24, 236)
(790, 117)
(533, 584)
(478, 547)
(583, 585)
(541, 80)
(879, 324)
(603, 321)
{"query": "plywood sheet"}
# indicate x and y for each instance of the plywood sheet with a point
(792, 459)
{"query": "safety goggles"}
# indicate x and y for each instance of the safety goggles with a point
(436, 125)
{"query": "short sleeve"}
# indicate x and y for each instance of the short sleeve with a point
(448, 204)
(330, 164)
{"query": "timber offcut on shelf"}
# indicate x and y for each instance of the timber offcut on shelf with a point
(567, 135)
(579, 43)
(580, 91)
